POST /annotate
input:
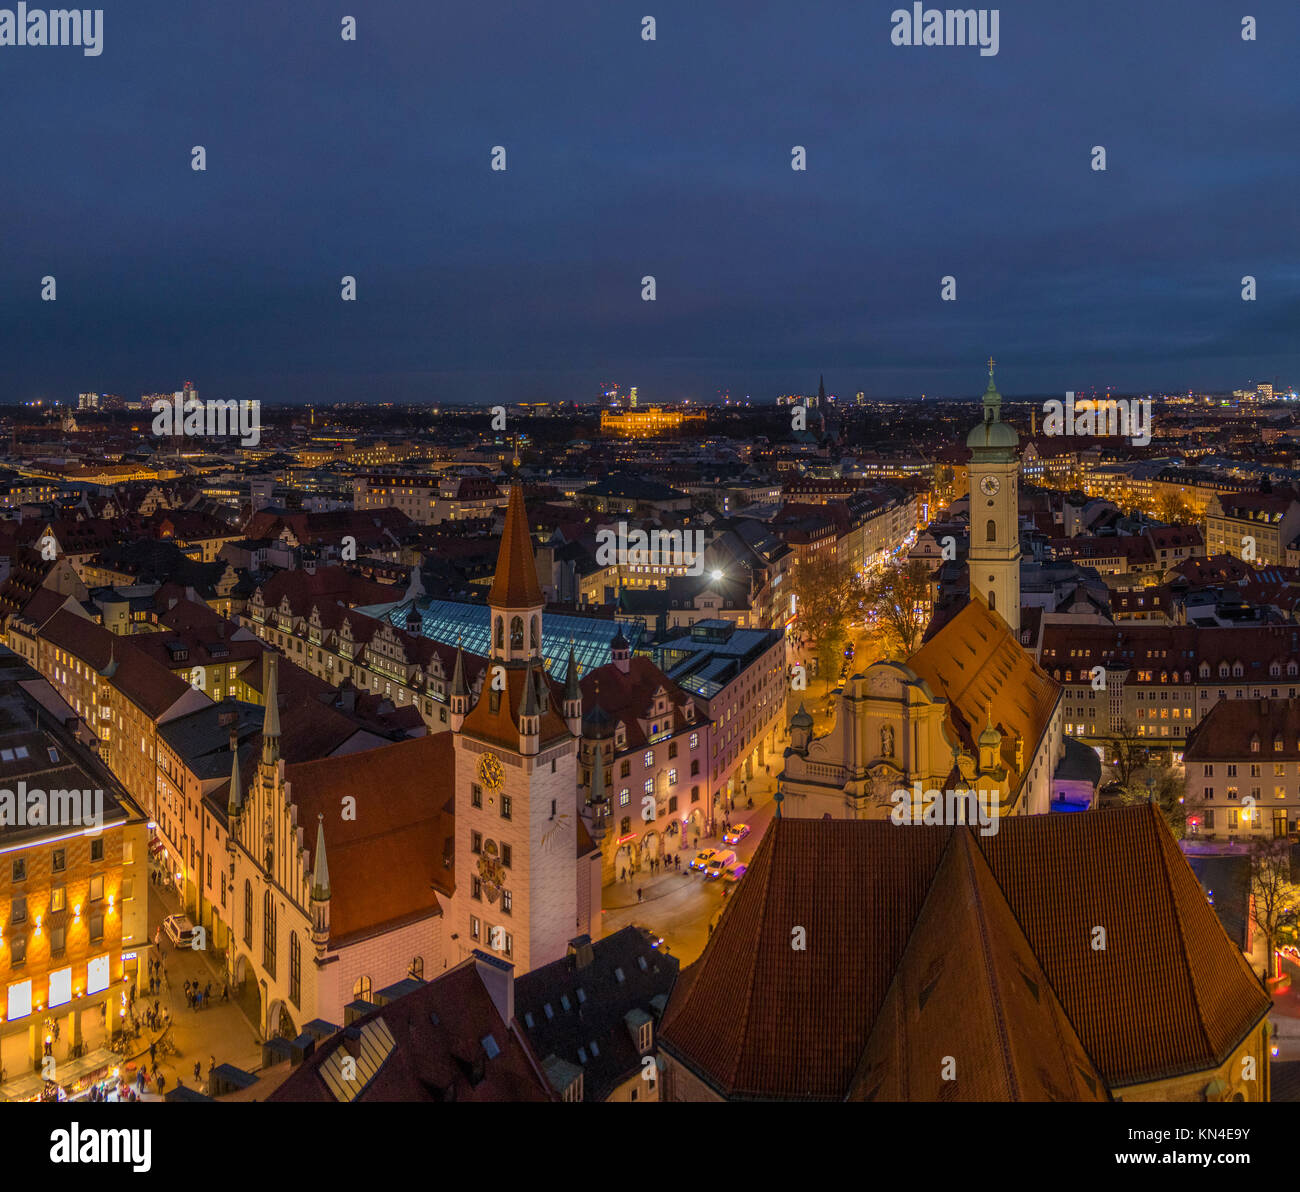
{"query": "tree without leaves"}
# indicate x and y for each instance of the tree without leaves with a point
(827, 595)
(1275, 898)
(898, 597)
(1126, 753)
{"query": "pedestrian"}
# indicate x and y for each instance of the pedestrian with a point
(162, 1084)
(225, 994)
(197, 1071)
(638, 893)
(153, 1053)
(207, 992)
(212, 1064)
(155, 1008)
(622, 875)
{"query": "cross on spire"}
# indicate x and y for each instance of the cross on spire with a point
(991, 363)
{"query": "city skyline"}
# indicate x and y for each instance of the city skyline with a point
(527, 282)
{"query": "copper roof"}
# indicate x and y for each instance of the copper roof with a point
(515, 583)
(1169, 995)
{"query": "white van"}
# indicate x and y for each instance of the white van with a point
(719, 863)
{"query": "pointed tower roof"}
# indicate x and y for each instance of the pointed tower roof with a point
(320, 870)
(515, 583)
(235, 803)
(821, 387)
(458, 686)
(571, 688)
(528, 698)
(110, 667)
(271, 722)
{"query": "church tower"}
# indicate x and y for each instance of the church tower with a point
(994, 556)
(516, 779)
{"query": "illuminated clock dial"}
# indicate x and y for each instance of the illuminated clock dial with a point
(490, 773)
(990, 485)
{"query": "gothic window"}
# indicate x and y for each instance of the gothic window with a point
(248, 912)
(295, 969)
(362, 988)
(993, 600)
(501, 633)
(268, 933)
(991, 531)
(517, 633)
(533, 643)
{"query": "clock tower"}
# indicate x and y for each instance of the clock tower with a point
(994, 555)
(516, 781)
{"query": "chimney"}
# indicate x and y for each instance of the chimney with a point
(498, 977)
(581, 952)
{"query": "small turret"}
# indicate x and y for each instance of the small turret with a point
(320, 891)
(801, 726)
(530, 715)
(620, 652)
(459, 693)
(990, 745)
(572, 696)
(271, 721)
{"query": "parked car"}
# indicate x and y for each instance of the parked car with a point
(179, 930)
(737, 834)
(702, 858)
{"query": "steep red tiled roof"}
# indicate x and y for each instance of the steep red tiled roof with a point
(988, 1005)
(515, 583)
(391, 861)
(1169, 995)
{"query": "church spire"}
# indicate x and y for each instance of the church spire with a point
(992, 398)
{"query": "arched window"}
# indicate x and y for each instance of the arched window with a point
(991, 531)
(625, 826)
(417, 968)
(501, 633)
(248, 912)
(533, 643)
(517, 633)
(362, 989)
(993, 600)
(268, 932)
(295, 969)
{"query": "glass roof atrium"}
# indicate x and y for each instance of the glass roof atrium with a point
(450, 622)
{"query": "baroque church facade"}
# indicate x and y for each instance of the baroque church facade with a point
(970, 709)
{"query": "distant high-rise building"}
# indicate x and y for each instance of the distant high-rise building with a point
(88, 401)
(631, 398)
(862, 398)
(1264, 392)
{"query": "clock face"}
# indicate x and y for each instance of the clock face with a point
(990, 485)
(490, 773)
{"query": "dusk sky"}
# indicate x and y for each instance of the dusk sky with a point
(669, 158)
